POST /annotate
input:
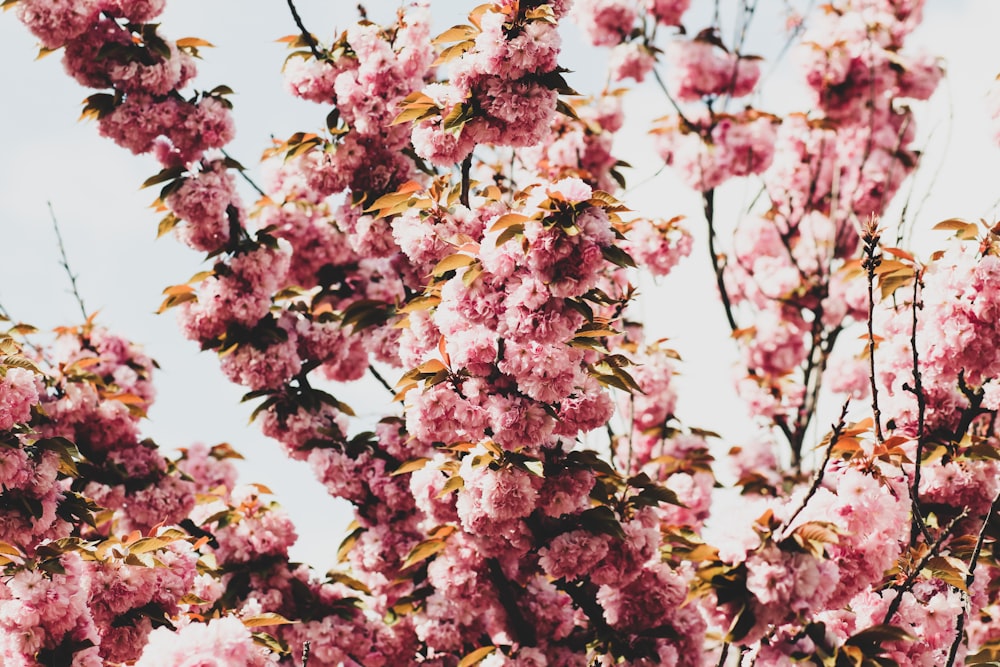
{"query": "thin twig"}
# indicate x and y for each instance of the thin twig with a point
(305, 652)
(245, 177)
(940, 164)
(915, 572)
(918, 391)
(970, 577)
(724, 655)
(670, 98)
(466, 180)
(306, 35)
(838, 429)
(65, 262)
(381, 380)
(870, 235)
(709, 200)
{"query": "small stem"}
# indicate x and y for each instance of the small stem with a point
(381, 380)
(709, 199)
(466, 169)
(724, 655)
(306, 35)
(915, 572)
(838, 429)
(870, 235)
(65, 262)
(917, 390)
(970, 577)
(670, 98)
(305, 653)
(246, 178)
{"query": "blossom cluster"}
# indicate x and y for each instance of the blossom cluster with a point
(532, 497)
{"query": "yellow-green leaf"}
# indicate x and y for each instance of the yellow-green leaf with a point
(411, 466)
(453, 484)
(476, 656)
(262, 620)
(423, 551)
(451, 263)
(455, 33)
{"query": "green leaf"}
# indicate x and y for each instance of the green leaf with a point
(565, 109)
(453, 484)
(452, 263)
(456, 119)
(349, 581)
(654, 495)
(164, 175)
(618, 257)
(147, 544)
(167, 224)
(602, 520)
(877, 634)
(411, 465)
(423, 551)
(348, 543)
(271, 643)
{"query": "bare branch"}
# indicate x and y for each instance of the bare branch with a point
(306, 35)
(65, 262)
(870, 234)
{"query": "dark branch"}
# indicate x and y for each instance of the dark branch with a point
(246, 178)
(871, 260)
(970, 577)
(524, 632)
(709, 200)
(838, 429)
(466, 168)
(306, 35)
(381, 380)
(919, 525)
(907, 584)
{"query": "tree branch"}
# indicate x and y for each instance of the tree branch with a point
(818, 478)
(919, 525)
(65, 262)
(381, 380)
(871, 260)
(466, 182)
(970, 577)
(915, 572)
(709, 200)
(524, 632)
(306, 35)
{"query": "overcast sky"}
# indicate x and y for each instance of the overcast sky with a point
(92, 184)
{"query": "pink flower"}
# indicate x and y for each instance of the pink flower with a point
(18, 393)
(203, 202)
(203, 644)
(667, 12)
(605, 22)
(698, 68)
(631, 60)
(55, 22)
(572, 555)
(572, 190)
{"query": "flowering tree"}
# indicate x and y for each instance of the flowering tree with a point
(530, 496)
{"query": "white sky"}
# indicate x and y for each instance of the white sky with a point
(110, 231)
